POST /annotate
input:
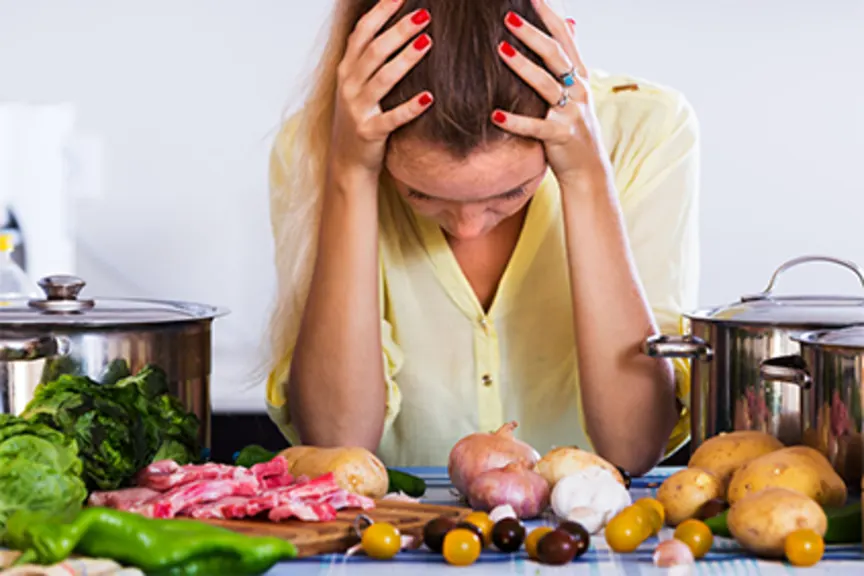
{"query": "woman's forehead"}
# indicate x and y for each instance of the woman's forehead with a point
(486, 172)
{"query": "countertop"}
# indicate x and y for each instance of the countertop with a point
(725, 558)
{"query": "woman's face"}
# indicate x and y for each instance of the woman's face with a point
(467, 197)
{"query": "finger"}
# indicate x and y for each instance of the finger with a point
(540, 129)
(562, 32)
(368, 26)
(538, 78)
(550, 50)
(383, 47)
(386, 123)
(391, 73)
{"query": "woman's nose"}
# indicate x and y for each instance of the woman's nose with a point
(469, 224)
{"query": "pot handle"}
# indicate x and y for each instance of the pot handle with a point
(848, 264)
(13, 350)
(788, 369)
(683, 346)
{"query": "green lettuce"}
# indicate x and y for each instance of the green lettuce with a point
(119, 426)
(39, 470)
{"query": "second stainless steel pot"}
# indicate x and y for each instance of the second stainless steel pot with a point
(727, 346)
(830, 371)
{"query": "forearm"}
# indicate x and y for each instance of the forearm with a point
(336, 388)
(628, 398)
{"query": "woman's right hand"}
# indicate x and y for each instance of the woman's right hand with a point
(365, 77)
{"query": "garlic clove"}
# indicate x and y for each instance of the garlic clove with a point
(500, 512)
(673, 553)
(591, 519)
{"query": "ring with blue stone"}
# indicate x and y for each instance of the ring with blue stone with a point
(569, 79)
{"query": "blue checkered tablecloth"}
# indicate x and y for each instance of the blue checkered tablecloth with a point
(726, 558)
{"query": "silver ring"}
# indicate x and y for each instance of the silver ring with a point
(565, 98)
(569, 79)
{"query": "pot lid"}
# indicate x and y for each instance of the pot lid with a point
(768, 309)
(63, 307)
(851, 337)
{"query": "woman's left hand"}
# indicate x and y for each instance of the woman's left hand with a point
(571, 131)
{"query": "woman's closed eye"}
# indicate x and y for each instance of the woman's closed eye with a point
(511, 195)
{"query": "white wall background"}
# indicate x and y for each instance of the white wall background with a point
(180, 99)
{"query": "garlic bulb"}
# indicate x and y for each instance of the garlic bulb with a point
(591, 497)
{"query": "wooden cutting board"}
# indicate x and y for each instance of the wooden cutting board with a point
(313, 538)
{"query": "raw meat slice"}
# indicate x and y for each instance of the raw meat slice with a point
(278, 466)
(160, 467)
(308, 512)
(122, 499)
(311, 489)
(345, 499)
(191, 473)
(174, 502)
(233, 507)
(277, 481)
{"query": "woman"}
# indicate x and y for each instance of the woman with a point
(504, 230)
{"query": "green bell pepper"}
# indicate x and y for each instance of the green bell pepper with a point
(169, 547)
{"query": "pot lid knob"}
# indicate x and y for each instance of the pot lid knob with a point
(61, 295)
(61, 287)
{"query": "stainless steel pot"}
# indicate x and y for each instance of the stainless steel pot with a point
(830, 371)
(63, 333)
(727, 346)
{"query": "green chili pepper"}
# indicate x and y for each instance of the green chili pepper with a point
(407, 483)
(170, 547)
(718, 525)
(251, 455)
(844, 524)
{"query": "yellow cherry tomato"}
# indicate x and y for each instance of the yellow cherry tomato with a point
(644, 516)
(461, 547)
(804, 547)
(657, 507)
(381, 541)
(534, 538)
(482, 521)
(696, 535)
(627, 530)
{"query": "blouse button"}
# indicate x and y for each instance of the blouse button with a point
(487, 380)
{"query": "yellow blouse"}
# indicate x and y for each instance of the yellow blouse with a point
(452, 369)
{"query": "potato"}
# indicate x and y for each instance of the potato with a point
(760, 522)
(832, 483)
(797, 468)
(725, 453)
(564, 461)
(686, 491)
(354, 469)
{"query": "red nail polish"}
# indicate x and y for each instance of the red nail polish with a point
(421, 17)
(514, 20)
(507, 49)
(425, 99)
(499, 117)
(422, 42)
(571, 22)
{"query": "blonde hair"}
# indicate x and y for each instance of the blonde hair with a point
(298, 163)
(468, 80)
